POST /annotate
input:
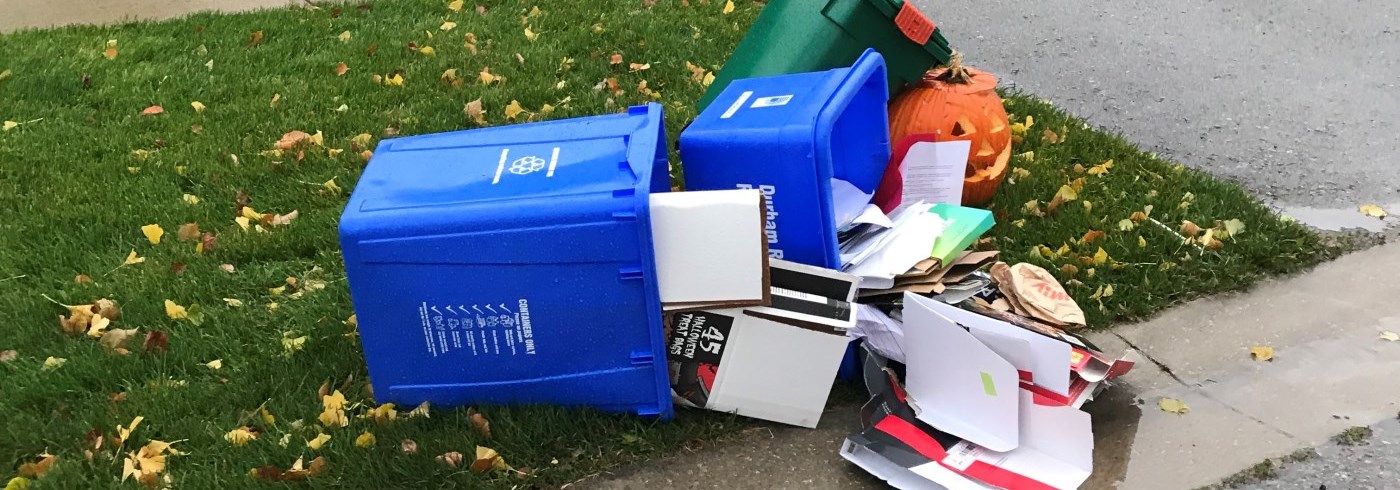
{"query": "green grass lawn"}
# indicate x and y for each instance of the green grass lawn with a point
(84, 171)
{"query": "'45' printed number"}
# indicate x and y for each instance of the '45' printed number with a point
(713, 340)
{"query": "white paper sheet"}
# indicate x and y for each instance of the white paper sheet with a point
(933, 172)
(959, 385)
(882, 334)
(907, 243)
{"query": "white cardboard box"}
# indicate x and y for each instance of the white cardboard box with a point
(773, 363)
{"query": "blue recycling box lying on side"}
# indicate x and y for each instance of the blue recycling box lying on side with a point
(513, 264)
(816, 143)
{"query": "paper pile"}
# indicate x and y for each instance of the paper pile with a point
(982, 404)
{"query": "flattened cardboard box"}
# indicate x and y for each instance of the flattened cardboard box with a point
(711, 251)
(773, 363)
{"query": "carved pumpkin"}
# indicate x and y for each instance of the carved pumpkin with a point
(959, 103)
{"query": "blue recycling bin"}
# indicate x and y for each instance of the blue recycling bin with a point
(816, 143)
(513, 264)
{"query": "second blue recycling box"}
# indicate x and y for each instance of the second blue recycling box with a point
(816, 144)
(513, 264)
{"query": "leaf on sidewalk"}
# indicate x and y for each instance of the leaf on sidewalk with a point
(1262, 353)
(1173, 405)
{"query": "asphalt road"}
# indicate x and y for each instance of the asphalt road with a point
(1296, 100)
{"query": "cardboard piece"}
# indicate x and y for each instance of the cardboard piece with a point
(934, 281)
(774, 363)
(710, 248)
(1048, 364)
(958, 384)
(1055, 450)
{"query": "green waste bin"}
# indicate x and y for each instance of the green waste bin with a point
(799, 36)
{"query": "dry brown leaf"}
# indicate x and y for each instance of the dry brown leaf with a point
(187, 232)
(1189, 229)
(474, 111)
(1091, 235)
(291, 140)
(152, 110)
(38, 468)
(482, 425)
(452, 459)
(341, 69)
(8, 355)
(488, 459)
(156, 340)
(615, 59)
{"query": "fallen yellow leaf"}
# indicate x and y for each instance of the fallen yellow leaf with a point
(530, 34)
(425, 51)
(486, 77)
(1372, 210)
(455, 5)
(153, 233)
(1262, 353)
(216, 364)
(447, 26)
(1389, 335)
(1234, 227)
(728, 6)
(1101, 169)
(131, 258)
(1126, 225)
(365, 440)
(240, 437)
(513, 110)
(175, 311)
(53, 363)
(395, 80)
(384, 413)
(344, 37)
(1173, 405)
(198, 106)
(1101, 257)
(8, 125)
(318, 441)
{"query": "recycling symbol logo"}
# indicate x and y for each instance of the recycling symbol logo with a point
(527, 165)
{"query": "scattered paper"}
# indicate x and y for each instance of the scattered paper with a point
(933, 172)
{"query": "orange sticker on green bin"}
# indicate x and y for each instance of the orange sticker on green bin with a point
(914, 24)
(987, 386)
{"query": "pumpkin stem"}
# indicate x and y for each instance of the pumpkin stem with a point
(955, 72)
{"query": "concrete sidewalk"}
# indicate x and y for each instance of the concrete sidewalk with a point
(1331, 371)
